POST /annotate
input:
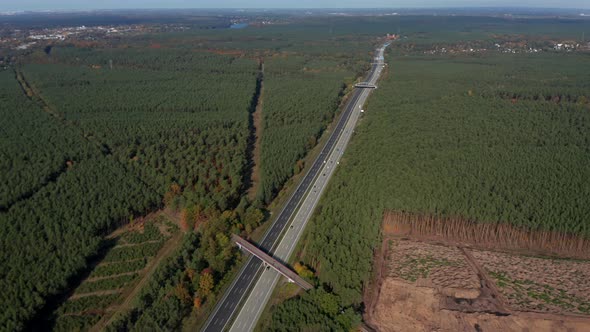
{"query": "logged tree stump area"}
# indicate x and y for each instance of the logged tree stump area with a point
(424, 282)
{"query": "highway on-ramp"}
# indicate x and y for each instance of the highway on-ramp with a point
(301, 203)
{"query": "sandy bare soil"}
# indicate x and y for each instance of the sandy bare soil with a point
(435, 287)
(403, 306)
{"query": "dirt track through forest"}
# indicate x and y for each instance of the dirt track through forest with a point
(96, 293)
(257, 127)
(112, 276)
(126, 245)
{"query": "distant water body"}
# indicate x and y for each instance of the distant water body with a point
(238, 26)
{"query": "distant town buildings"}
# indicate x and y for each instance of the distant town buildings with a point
(18, 39)
(566, 46)
(512, 47)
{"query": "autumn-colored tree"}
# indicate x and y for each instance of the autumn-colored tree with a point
(296, 169)
(197, 302)
(206, 284)
(175, 189)
(187, 218)
(182, 293)
(303, 270)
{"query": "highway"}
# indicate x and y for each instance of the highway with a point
(301, 203)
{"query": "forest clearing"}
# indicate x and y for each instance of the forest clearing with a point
(425, 283)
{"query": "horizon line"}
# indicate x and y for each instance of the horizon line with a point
(295, 8)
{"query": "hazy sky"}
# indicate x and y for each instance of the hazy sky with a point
(108, 4)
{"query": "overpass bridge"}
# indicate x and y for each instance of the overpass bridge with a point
(365, 85)
(269, 261)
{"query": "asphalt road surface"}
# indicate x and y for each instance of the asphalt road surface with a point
(301, 203)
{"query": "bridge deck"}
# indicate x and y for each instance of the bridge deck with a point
(365, 85)
(278, 266)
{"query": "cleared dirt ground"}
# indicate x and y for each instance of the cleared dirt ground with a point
(539, 284)
(424, 286)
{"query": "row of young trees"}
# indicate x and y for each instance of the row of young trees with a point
(193, 276)
(426, 145)
(125, 256)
